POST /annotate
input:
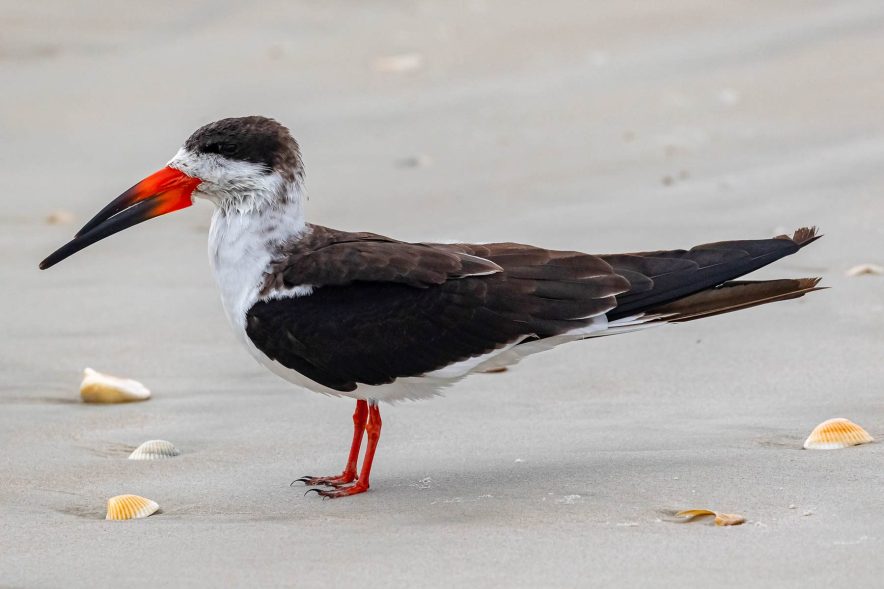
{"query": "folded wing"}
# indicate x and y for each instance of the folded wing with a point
(380, 309)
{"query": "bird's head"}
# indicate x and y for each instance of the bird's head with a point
(240, 165)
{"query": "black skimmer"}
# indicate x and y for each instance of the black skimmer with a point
(368, 317)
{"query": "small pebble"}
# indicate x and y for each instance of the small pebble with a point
(415, 161)
(60, 217)
(397, 64)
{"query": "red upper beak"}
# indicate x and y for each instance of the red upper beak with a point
(162, 192)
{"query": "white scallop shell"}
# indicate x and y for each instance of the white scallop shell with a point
(103, 388)
(123, 507)
(836, 433)
(154, 450)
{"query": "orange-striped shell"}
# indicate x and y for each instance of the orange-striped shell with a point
(833, 434)
(721, 519)
(103, 388)
(123, 507)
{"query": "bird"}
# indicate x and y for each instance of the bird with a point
(375, 319)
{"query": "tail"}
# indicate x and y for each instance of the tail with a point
(683, 285)
(733, 296)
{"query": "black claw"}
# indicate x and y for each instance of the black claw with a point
(318, 492)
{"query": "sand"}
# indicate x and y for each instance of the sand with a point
(594, 126)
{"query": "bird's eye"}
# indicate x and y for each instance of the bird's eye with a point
(226, 149)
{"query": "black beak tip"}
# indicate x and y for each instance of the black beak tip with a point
(60, 254)
(47, 263)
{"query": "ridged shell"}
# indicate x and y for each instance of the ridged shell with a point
(154, 450)
(103, 388)
(721, 519)
(123, 507)
(837, 433)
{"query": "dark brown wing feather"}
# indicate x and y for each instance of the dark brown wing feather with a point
(383, 309)
(327, 257)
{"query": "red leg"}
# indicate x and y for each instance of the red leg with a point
(373, 429)
(360, 416)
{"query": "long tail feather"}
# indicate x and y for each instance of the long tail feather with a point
(734, 296)
(663, 277)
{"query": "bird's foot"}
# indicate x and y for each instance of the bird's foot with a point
(331, 481)
(341, 491)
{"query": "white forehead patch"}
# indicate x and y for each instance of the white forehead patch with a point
(211, 167)
(230, 184)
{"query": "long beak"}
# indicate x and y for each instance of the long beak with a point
(162, 192)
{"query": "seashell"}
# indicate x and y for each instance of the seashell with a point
(690, 514)
(833, 434)
(154, 450)
(124, 507)
(102, 388)
(721, 519)
(729, 519)
(864, 269)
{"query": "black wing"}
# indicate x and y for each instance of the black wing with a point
(383, 309)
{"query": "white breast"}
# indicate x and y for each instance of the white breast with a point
(238, 262)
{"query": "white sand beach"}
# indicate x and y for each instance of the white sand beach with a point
(597, 126)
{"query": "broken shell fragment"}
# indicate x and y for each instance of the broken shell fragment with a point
(123, 507)
(721, 519)
(836, 433)
(154, 450)
(865, 269)
(690, 514)
(729, 519)
(103, 388)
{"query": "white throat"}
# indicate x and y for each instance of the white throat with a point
(242, 242)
